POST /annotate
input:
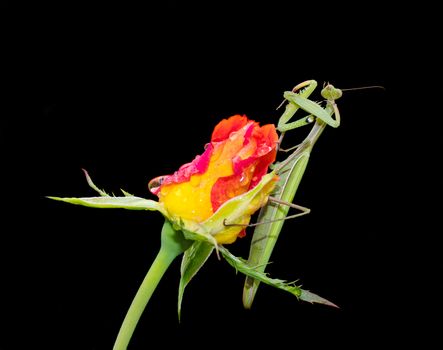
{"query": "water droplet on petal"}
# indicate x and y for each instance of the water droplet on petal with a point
(155, 183)
(233, 135)
(265, 149)
(243, 179)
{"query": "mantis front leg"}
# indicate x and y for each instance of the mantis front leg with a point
(306, 89)
(330, 93)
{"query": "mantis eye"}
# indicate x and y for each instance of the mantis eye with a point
(155, 183)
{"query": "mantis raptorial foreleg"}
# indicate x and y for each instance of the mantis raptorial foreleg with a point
(306, 89)
(290, 173)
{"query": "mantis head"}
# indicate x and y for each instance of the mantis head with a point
(329, 92)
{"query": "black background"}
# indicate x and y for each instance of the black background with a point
(130, 92)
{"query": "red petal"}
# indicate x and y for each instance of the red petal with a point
(249, 171)
(223, 129)
(266, 152)
(228, 187)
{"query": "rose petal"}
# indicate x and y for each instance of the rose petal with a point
(247, 171)
(223, 129)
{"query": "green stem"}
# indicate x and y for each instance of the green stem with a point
(172, 244)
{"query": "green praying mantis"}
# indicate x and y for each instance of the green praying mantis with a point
(272, 216)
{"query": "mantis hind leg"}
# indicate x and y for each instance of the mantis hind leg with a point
(303, 210)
